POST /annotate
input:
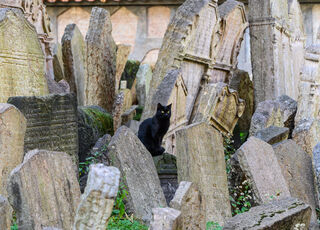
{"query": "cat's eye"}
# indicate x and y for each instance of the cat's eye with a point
(168, 112)
(162, 111)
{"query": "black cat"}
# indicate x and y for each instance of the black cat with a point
(152, 130)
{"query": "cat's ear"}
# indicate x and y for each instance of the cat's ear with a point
(169, 106)
(159, 106)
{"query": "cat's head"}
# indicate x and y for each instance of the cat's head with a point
(163, 112)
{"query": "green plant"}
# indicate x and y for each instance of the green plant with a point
(138, 115)
(92, 159)
(14, 225)
(213, 226)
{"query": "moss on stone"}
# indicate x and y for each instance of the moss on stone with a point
(130, 72)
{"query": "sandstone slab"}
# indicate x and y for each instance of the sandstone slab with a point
(187, 201)
(123, 52)
(5, 213)
(23, 60)
(200, 159)
(12, 132)
(129, 155)
(219, 106)
(51, 123)
(44, 190)
(297, 169)
(279, 214)
(144, 77)
(74, 60)
(273, 134)
(279, 112)
(260, 165)
(165, 219)
(58, 63)
(97, 200)
(101, 60)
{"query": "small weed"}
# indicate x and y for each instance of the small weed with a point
(84, 166)
(213, 226)
(14, 225)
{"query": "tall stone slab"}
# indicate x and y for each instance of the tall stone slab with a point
(44, 190)
(233, 25)
(297, 169)
(200, 159)
(219, 106)
(97, 200)
(101, 60)
(58, 68)
(5, 213)
(165, 219)
(271, 50)
(12, 132)
(187, 201)
(22, 63)
(260, 165)
(51, 123)
(190, 44)
(74, 60)
(123, 52)
(144, 76)
(138, 172)
(288, 213)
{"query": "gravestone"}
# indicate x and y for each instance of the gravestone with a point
(200, 159)
(144, 77)
(260, 166)
(5, 214)
(289, 213)
(44, 190)
(101, 60)
(22, 64)
(165, 219)
(96, 203)
(190, 44)
(57, 62)
(127, 153)
(240, 81)
(316, 158)
(51, 123)
(187, 201)
(12, 133)
(117, 110)
(273, 55)
(123, 52)
(219, 106)
(74, 60)
(297, 169)
(279, 112)
(273, 134)
(233, 25)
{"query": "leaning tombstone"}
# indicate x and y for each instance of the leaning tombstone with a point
(260, 166)
(24, 75)
(101, 61)
(51, 123)
(127, 153)
(97, 200)
(190, 44)
(201, 144)
(123, 52)
(44, 190)
(74, 60)
(165, 219)
(144, 76)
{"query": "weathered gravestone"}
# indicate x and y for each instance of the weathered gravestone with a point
(200, 159)
(123, 52)
(58, 63)
(12, 132)
(190, 44)
(51, 123)
(260, 166)
(96, 203)
(297, 169)
(165, 219)
(219, 106)
(274, 67)
(117, 110)
(240, 81)
(289, 213)
(101, 60)
(233, 25)
(279, 112)
(74, 60)
(5, 213)
(138, 173)
(187, 201)
(11, 3)
(273, 134)
(144, 77)
(316, 158)
(22, 63)
(44, 190)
